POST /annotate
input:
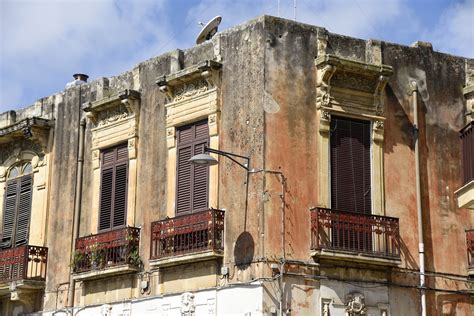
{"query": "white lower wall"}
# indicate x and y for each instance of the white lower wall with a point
(242, 300)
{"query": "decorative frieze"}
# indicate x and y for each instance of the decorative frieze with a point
(189, 90)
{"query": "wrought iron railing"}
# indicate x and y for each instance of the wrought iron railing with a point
(23, 263)
(467, 138)
(470, 248)
(108, 249)
(355, 232)
(185, 234)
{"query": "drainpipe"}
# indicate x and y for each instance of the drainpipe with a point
(77, 210)
(421, 245)
(282, 231)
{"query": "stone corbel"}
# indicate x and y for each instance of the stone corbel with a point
(324, 121)
(377, 131)
(170, 137)
(132, 148)
(378, 94)
(92, 116)
(324, 75)
(213, 124)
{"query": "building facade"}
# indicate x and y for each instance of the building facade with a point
(339, 188)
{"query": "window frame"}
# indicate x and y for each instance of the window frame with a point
(18, 180)
(117, 162)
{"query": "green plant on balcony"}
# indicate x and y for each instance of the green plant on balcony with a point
(77, 260)
(97, 256)
(134, 257)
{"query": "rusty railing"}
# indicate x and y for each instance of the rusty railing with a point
(470, 248)
(23, 263)
(467, 139)
(355, 232)
(108, 249)
(190, 233)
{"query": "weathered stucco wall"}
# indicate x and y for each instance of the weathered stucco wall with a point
(268, 112)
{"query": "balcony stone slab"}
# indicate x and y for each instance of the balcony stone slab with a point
(186, 258)
(327, 254)
(465, 196)
(105, 272)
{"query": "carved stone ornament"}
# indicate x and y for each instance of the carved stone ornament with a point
(356, 304)
(187, 304)
(191, 81)
(111, 116)
(325, 115)
(339, 80)
(190, 90)
(113, 108)
(32, 129)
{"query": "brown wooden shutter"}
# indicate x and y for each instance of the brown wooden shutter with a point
(192, 181)
(16, 219)
(23, 210)
(350, 165)
(9, 213)
(113, 190)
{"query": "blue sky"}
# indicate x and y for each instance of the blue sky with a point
(44, 42)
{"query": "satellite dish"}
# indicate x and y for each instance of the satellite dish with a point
(209, 30)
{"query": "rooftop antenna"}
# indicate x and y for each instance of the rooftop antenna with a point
(294, 4)
(208, 30)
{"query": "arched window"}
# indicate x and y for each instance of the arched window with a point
(17, 205)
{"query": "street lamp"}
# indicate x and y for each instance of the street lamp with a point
(207, 160)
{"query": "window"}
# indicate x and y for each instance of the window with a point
(113, 187)
(192, 180)
(350, 165)
(17, 206)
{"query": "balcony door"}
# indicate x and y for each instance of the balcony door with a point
(351, 181)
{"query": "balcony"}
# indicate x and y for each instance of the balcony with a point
(110, 253)
(470, 251)
(353, 236)
(465, 194)
(187, 238)
(25, 265)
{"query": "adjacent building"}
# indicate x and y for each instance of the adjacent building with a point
(344, 183)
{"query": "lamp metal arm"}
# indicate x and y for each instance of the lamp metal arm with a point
(231, 156)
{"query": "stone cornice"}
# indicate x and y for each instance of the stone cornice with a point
(114, 107)
(354, 85)
(199, 77)
(34, 128)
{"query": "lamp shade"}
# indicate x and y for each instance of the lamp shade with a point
(203, 159)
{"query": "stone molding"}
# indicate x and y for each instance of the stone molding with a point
(351, 89)
(116, 118)
(192, 95)
(351, 85)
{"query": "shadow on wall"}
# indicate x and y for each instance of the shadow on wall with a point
(405, 254)
(451, 304)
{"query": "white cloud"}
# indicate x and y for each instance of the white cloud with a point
(42, 41)
(455, 30)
